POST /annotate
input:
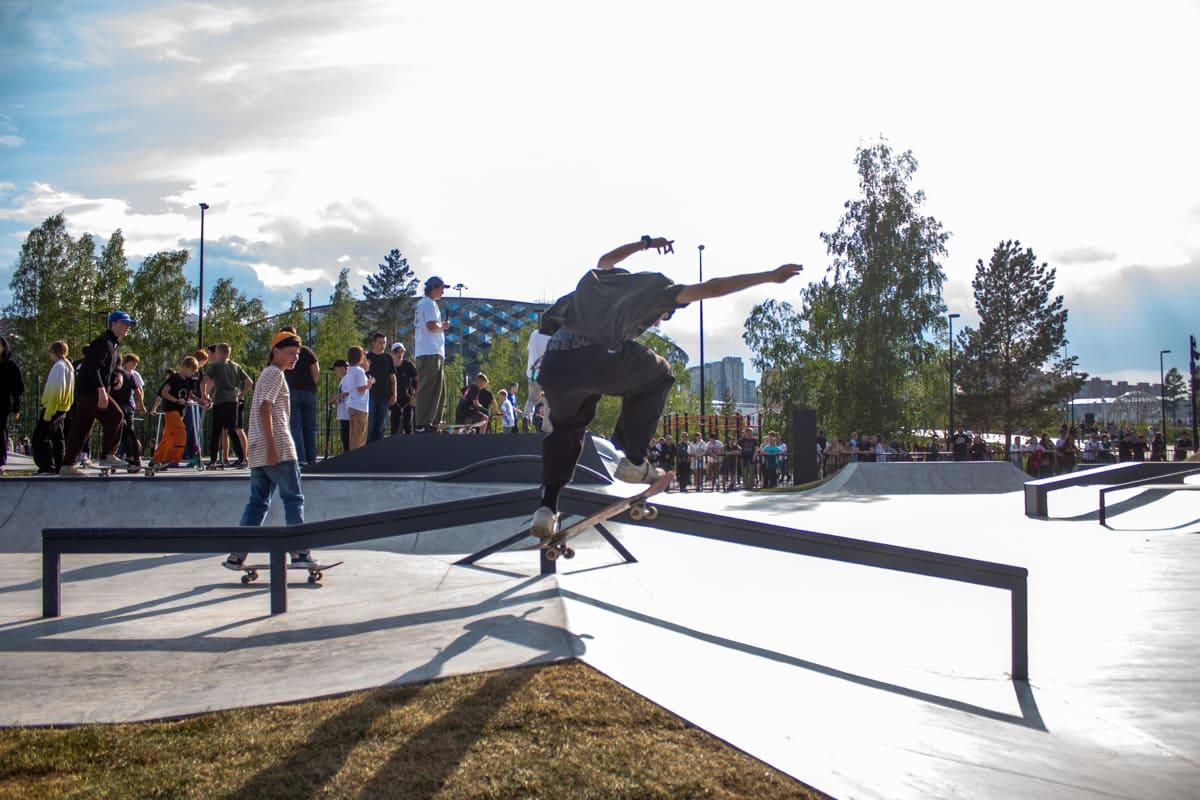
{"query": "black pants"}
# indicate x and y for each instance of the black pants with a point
(49, 442)
(224, 420)
(403, 418)
(4, 437)
(575, 380)
(129, 440)
(87, 411)
(344, 429)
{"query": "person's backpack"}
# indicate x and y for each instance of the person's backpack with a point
(612, 306)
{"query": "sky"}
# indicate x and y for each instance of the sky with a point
(506, 146)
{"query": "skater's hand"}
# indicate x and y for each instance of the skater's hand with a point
(662, 245)
(272, 455)
(392, 400)
(102, 399)
(785, 273)
(16, 415)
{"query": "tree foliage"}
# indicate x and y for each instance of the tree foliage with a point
(390, 295)
(1013, 372)
(338, 329)
(1174, 389)
(159, 299)
(238, 320)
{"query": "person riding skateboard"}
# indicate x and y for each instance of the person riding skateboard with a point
(593, 352)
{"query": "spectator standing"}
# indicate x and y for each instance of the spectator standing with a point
(1158, 448)
(683, 465)
(1182, 445)
(714, 454)
(223, 381)
(508, 414)
(274, 463)
(539, 413)
(382, 370)
(57, 395)
(979, 449)
(538, 340)
(403, 411)
(748, 445)
(960, 444)
(770, 458)
(357, 388)
(124, 393)
(696, 450)
(339, 400)
(92, 401)
(302, 391)
(933, 451)
(12, 387)
(429, 342)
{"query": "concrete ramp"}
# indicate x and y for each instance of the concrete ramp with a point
(938, 477)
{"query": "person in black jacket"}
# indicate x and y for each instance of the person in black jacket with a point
(92, 401)
(404, 411)
(11, 389)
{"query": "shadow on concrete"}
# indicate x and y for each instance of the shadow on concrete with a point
(45, 635)
(1030, 716)
(1129, 504)
(107, 570)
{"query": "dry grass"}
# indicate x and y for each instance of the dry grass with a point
(562, 731)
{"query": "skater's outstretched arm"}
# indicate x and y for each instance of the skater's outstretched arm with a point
(719, 287)
(614, 257)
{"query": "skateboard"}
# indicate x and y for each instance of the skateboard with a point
(314, 573)
(636, 505)
(105, 472)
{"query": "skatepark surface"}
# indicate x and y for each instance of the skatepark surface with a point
(858, 681)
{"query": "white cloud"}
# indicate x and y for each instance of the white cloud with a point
(8, 140)
(275, 277)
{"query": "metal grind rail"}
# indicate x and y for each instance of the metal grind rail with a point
(1164, 483)
(836, 548)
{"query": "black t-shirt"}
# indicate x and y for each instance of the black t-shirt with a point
(179, 387)
(960, 443)
(380, 368)
(747, 444)
(406, 382)
(301, 376)
(124, 395)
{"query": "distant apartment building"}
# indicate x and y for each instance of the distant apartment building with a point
(727, 376)
(1100, 389)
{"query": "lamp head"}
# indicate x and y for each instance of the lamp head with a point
(204, 206)
(955, 316)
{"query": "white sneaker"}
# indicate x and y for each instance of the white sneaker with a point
(71, 469)
(545, 523)
(637, 473)
(113, 462)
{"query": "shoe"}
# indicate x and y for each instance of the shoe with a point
(71, 469)
(637, 473)
(232, 563)
(305, 560)
(238, 464)
(113, 462)
(545, 523)
(84, 462)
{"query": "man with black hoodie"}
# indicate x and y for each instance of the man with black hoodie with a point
(92, 401)
(593, 352)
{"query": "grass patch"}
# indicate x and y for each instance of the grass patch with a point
(559, 731)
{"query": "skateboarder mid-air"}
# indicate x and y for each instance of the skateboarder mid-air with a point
(593, 352)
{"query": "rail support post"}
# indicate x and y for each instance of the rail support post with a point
(51, 582)
(1020, 631)
(278, 581)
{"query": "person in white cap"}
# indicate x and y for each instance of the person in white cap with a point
(429, 342)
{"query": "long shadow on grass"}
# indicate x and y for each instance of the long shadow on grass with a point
(1030, 716)
(429, 755)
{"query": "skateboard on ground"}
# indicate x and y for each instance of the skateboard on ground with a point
(636, 505)
(315, 572)
(107, 471)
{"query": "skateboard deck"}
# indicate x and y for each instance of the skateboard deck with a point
(556, 545)
(315, 573)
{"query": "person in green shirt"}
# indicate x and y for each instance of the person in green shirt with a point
(223, 381)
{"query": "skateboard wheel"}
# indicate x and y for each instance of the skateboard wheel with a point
(253, 575)
(569, 552)
(246, 578)
(651, 512)
(636, 513)
(314, 577)
(551, 554)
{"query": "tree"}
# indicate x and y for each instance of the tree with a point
(1174, 390)
(297, 317)
(776, 336)
(390, 295)
(159, 299)
(1012, 370)
(113, 276)
(78, 320)
(41, 294)
(338, 330)
(881, 296)
(239, 321)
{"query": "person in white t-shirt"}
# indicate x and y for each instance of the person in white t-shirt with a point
(508, 414)
(357, 386)
(340, 367)
(429, 346)
(537, 348)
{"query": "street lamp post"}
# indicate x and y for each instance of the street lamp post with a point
(200, 312)
(1162, 394)
(462, 355)
(309, 290)
(950, 430)
(701, 256)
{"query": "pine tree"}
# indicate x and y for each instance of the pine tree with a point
(1174, 390)
(389, 296)
(41, 293)
(1011, 370)
(339, 329)
(113, 276)
(297, 317)
(237, 320)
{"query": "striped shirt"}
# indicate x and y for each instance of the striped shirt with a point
(271, 388)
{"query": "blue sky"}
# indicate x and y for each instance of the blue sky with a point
(507, 146)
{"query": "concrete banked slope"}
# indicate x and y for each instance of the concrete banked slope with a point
(938, 477)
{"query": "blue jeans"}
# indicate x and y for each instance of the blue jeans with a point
(284, 476)
(304, 424)
(377, 419)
